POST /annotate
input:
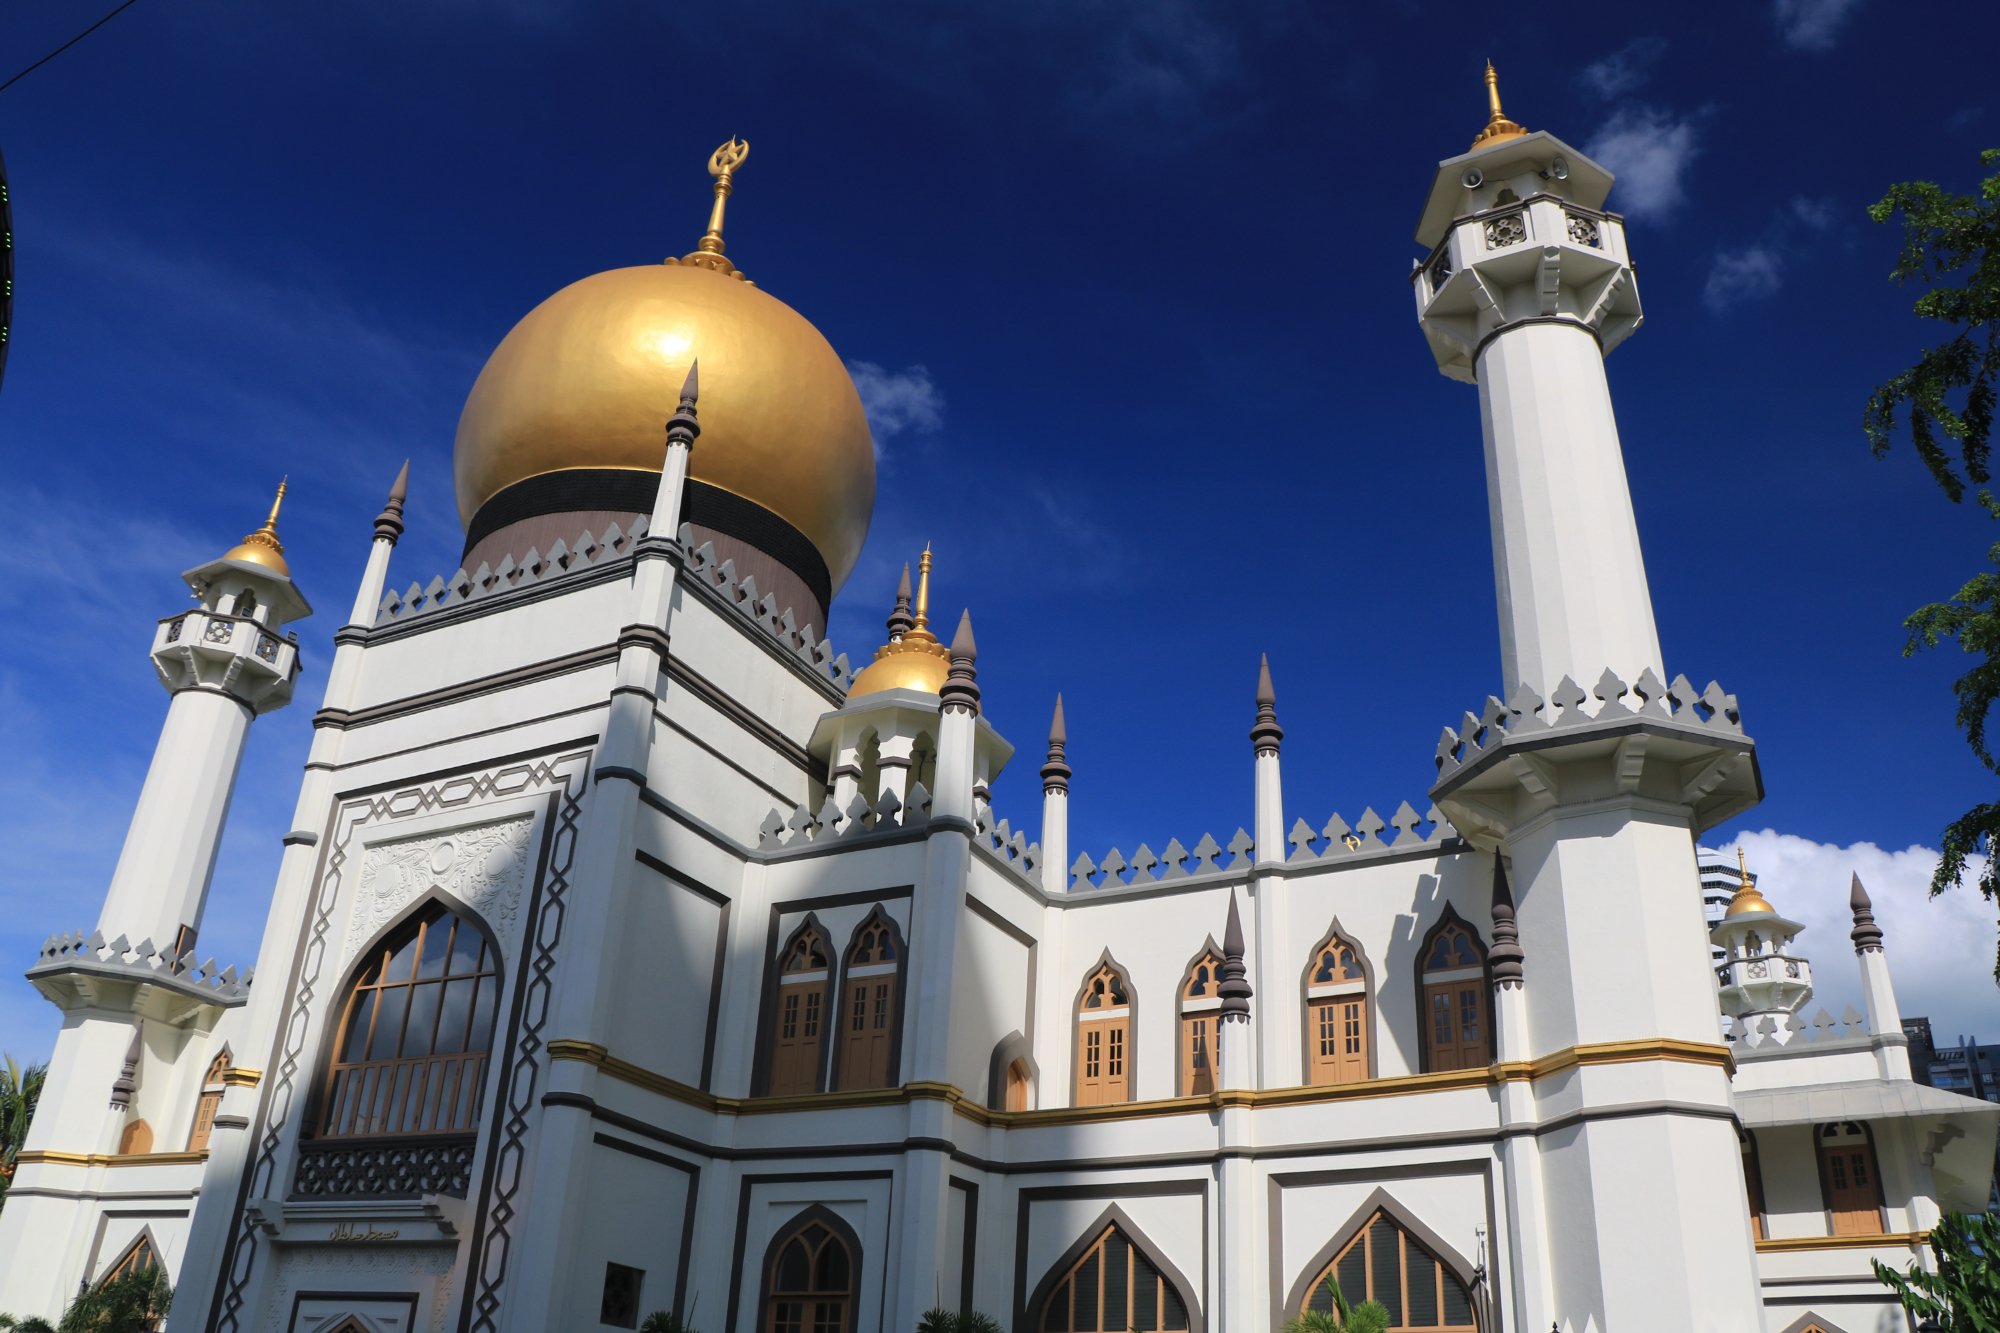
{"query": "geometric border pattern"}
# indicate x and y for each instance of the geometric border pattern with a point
(283, 1090)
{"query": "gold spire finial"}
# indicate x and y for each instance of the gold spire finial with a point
(1498, 129)
(1747, 899)
(722, 164)
(922, 629)
(913, 660)
(262, 547)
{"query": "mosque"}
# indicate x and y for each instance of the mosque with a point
(631, 952)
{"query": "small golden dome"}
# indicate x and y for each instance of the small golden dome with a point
(262, 547)
(589, 377)
(912, 659)
(1498, 129)
(1747, 901)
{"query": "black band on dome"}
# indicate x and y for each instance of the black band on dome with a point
(628, 490)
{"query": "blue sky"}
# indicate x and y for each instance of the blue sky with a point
(1126, 287)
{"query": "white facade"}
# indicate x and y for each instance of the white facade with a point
(1484, 1036)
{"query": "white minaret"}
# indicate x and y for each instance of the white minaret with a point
(134, 1001)
(1759, 975)
(224, 663)
(1526, 288)
(1594, 804)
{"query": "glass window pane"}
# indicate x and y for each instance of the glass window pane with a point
(357, 1027)
(1117, 1255)
(435, 946)
(1176, 1317)
(794, 1269)
(1385, 1263)
(1083, 1300)
(1422, 1271)
(466, 948)
(1457, 1301)
(1145, 1299)
(1056, 1320)
(1354, 1274)
(403, 962)
(483, 1011)
(833, 1267)
(423, 1018)
(389, 1023)
(457, 1009)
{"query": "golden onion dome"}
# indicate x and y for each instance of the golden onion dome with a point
(262, 547)
(912, 659)
(587, 380)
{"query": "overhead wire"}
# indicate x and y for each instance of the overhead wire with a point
(127, 4)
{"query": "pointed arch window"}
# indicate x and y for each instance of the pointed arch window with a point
(1201, 1031)
(1113, 1288)
(1017, 1087)
(140, 1254)
(210, 1102)
(800, 1022)
(1849, 1179)
(415, 1031)
(1385, 1263)
(1457, 1032)
(870, 1005)
(1104, 1039)
(810, 1281)
(1337, 1022)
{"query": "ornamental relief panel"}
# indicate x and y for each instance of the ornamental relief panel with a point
(484, 866)
(427, 1270)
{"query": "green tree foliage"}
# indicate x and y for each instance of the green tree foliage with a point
(1951, 244)
(1367, 1317)
(940, 1320)
(1963, 1295)
(136, 1302)
(664, 1321)
(20, 1089)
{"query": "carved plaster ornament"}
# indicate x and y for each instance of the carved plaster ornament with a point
(485, 867)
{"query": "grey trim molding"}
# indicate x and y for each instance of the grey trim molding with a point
(300, 838)
(693, 1173)
(706, 690)
(469, 689)
(1381, 1201)
(1025, 1302)
(792, 1178)
(1567, 321)
(702, 891)
(645, 636)
(969, 1250)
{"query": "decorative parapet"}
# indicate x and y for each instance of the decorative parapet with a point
(615, 543)
(141, 964)
(802, 827)
(803, 642)
(1175, 862)
(510, 575)
(1010, 846)
(1761, 1036)
(1514, 762)
(1528, 714)
(1337, 838)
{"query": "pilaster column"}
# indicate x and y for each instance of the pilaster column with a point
(1885, 1017)
(935, 912)
(1240, 1218)
(1267, 882)
(1525, 1243)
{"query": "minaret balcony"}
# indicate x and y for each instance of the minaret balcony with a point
(235, 654)
(1539, 258)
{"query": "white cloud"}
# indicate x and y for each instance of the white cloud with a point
(1812, 25)
(897, 400)
(1649, 150)
(1940, 950)
(1814, 214)
(1737, 276)
(1624, 69)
